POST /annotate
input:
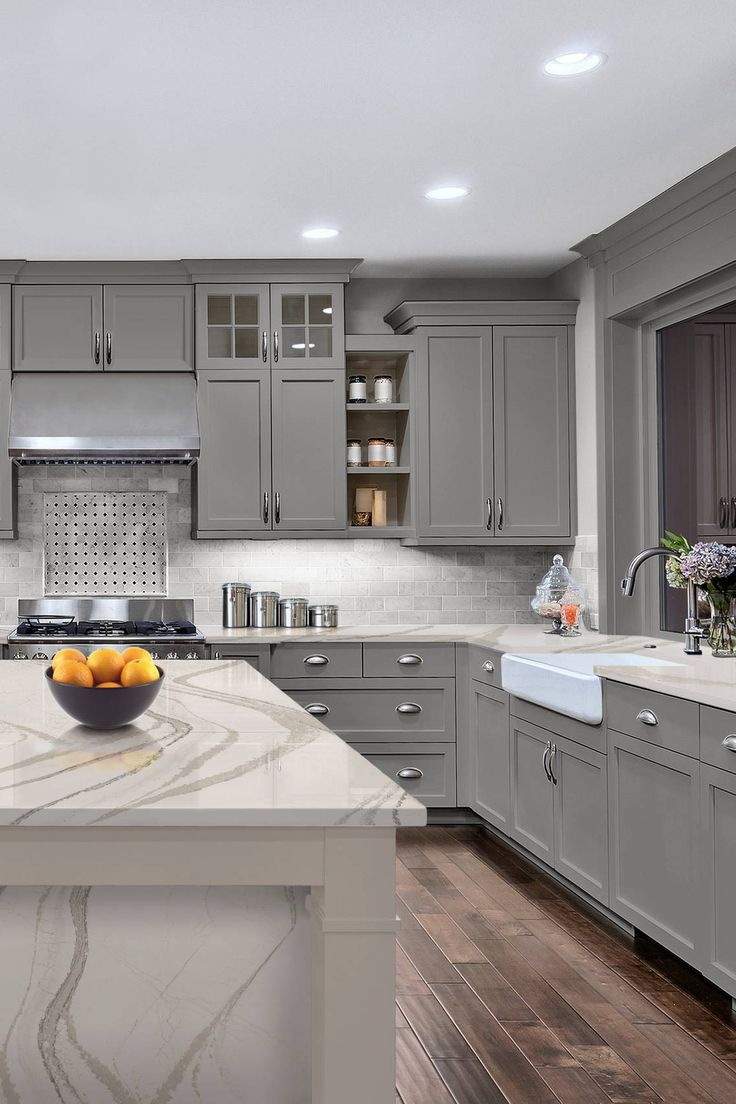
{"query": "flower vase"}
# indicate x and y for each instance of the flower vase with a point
(722, 632)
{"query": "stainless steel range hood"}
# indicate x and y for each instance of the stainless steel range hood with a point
(103, 418)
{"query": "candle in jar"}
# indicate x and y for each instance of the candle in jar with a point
(383, 389)
(376, 452)
(380, 506)
(363, 513)
(390, 453)
(355, 454)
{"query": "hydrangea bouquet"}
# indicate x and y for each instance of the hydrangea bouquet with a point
(713, 567)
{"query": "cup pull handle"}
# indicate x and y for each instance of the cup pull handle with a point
(410, 660)
(316, 661)
(729, 743)
(317, 709)
(647, 717)
(410, 772)
(408, 707)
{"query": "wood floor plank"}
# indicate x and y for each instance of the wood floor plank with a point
(617, 1079)
(401, 1021)
(433, 1027)
(451, 939)
(427, 958)
(694, 1059)
(573, 1085)
(469, 1082)
(540, 1045)
(408, 981)
(496, 993)
(509, 1068)
(417, 1080)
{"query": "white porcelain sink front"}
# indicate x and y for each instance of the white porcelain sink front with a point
(566, 683)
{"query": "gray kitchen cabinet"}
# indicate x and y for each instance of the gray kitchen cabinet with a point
(531, 431)
(308, 324)
(531, 821)
(257, 655)
(57, 329)
(426, 771)
(308, 450)
(581, 820)
(488, 752)
(232, 479)
(717, 891)
(454, 417)
(233, 326)
(317, 659)
(148, 328)
(653, 824)
(91, 328)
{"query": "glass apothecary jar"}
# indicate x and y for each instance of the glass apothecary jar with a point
(560, 599)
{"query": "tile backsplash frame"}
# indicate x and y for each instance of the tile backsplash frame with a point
(374, 580)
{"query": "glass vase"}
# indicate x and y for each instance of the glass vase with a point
(722, 632)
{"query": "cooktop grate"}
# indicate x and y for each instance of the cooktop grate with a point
(111, 543)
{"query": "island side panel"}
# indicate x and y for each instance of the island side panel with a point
(178, 993)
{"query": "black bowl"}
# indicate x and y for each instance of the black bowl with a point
(89, 706)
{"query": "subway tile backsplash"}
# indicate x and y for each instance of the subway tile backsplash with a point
(373, 581)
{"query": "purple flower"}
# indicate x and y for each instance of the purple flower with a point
(708, 561)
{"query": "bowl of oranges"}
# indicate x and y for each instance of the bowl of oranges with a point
(72, 675)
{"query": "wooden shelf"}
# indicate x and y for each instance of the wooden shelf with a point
(380, 531)
(364, 470)
(377, 408)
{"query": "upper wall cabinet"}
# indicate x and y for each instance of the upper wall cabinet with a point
(495, 422)
(279, 325)
(91, 328)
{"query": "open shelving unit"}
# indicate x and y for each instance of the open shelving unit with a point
(374, 355)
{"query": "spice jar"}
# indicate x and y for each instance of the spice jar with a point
(357, 390)
(363, 512)
(390, 453)
(383, 389)
(355, 454)
(376, 452)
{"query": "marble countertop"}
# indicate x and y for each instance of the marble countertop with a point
(221, 746)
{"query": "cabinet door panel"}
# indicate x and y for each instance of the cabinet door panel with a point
(718, 889)
(309, 484)
(653, 818)
(233, 326)
(581, 817)
(233, 472)
(489, 750)
(531, 404)
(455, 432)
(308, 321)
(148, 328)
(57, 329)
(532, 798)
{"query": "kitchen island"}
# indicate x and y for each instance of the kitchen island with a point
(197, 907)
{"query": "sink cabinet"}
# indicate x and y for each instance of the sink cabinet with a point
(532, 792)
(717, 863)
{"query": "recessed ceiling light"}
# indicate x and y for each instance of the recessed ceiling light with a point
(302, 345)
(327, 310)
(320, 232)
(571, 65)
(448, 191)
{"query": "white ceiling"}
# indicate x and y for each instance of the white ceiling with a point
(175, 128)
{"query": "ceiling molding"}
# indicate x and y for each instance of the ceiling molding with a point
(483, 312)
(318, 270)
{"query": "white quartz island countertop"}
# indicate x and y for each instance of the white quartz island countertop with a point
(221, 747)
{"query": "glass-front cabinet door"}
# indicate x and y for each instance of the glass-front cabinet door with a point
(233, 326)
(308, 325)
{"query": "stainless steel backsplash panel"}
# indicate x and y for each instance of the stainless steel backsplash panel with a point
(106, 543)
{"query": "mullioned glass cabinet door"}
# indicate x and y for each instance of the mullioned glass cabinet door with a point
(233, 326)
(308, 325)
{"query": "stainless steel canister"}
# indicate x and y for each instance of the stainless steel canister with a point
(235, 605)
(323, 617)
(264, 608)
(293, 613)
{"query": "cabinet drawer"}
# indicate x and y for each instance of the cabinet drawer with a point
(259, 656)
(408, 661)
(315, 659)
(431, 771)
(367, 713)
(485, 666)
(658, 718)
(717, 725)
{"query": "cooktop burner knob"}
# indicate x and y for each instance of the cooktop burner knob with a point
(40, 655)
(154, 655)
(171, 655)
(19, 655)
(192, 655)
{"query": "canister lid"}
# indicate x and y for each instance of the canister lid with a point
(243, 586)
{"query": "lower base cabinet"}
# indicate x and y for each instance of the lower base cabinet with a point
(654, 816)
(717, 862)
(559, 805)
(426, 771)
(488, 752)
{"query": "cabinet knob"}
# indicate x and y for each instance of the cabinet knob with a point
(729, 743)
(647, 717)
(410, 660)
(317, 709)
(410, 772)
(408, 707)
(489, 666)
(316, 661)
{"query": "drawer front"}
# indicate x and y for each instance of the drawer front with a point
(427, 774)
(485, 665)
(313, 659)
(259, 656)
(668, 722)
(367, 714)
(408, 661)
(717, 725)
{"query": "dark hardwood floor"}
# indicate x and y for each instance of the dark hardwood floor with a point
(510, 992)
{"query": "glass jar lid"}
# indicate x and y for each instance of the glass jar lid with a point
(557, 589)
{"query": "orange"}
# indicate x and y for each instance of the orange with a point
(73, 673)
(136, 653)
(138, 672)
(106, 665)
(65, 654)
(107, 685)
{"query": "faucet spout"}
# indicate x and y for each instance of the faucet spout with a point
(629, 580)
(693, 630)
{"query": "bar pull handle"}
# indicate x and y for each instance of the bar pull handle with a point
(265, 507)
(489, 514)
(647, 717)
(108, 347)
(277, 508)
(552, 763)
(733, 513)
(98, 342)
(499, 507)
(545, 764)
(722, 513)
(275, 346)
(264, 346)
